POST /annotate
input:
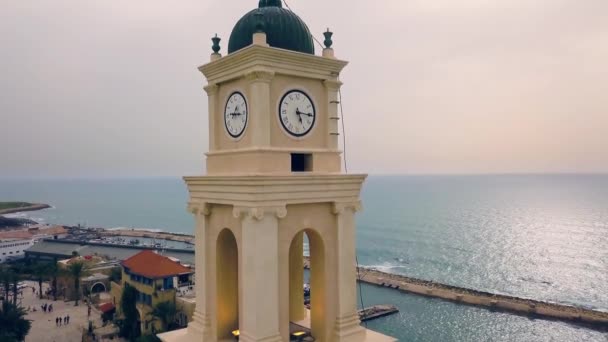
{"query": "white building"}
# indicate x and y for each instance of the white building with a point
(11, 249)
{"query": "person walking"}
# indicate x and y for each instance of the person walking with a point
(56, 321)
(59, 320)
(68, 319)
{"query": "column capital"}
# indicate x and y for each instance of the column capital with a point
(199, 208)
(339, 207)
(258, 213)
(332, 84)
(211, 89)
(260, 76)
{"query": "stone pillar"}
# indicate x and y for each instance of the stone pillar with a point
(259, 274)
(347, 325)
(333, 129)
(200, 327)
(297, 311)
(211, 90)
(259, 107)
(259, 38)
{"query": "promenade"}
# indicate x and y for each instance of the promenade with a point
(44, 327)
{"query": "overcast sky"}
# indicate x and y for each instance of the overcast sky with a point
(111, 88)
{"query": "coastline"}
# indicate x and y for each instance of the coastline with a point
(31, 207)
(490, 301)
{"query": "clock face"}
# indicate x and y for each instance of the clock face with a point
(235, 115)
(297, 113)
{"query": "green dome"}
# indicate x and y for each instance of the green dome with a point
(283, 28)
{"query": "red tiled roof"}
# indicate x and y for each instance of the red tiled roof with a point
(106, 307)
(149, 264)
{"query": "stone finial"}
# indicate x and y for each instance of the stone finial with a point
(328, 42)
(216, 44)
(328, 51)
(259, 37)
(259, 22)
(216, 48)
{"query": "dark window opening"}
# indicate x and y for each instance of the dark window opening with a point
(301, 162)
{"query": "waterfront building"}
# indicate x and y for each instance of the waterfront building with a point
(156, 279)
(50, 249)
(13, 249)
(274, 175)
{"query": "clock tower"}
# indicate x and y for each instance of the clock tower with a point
(274, 185)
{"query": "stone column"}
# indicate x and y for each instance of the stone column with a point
(347, 325)
(212, 94)
(259, 274)
(259, 107)
(200, 327)
(333, 129)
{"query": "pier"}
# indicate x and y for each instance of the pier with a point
(377, 311)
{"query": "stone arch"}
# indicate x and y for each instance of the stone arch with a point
(317, 255)
(227, 284)
(98, 287)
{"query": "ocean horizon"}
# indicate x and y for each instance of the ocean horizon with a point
(537, 236)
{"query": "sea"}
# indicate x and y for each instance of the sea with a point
(543, 237)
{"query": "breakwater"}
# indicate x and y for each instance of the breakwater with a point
(521, 306)
(491, 301)
(18, 207)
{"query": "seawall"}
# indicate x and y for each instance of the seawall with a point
(491, 301)
(32, 207)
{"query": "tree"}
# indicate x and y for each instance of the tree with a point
(129, 327)
(165, 312)
(53, 272)
(40, 272)
(77, 270)
(13, 325)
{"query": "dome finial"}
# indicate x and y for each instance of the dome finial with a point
(270, 3)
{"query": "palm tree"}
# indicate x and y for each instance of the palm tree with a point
(41, 272)
(77, 270)
(165, 312)
(53, 272)
(13, 325)
(6, 279)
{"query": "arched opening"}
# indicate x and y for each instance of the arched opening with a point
(227, 284)
(98, 288)
(306, 287)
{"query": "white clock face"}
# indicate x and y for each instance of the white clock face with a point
(235, 115)
(297, 113)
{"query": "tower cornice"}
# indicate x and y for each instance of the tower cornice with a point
(255, 58)
(276, 191)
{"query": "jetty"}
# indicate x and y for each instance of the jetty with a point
(377, 311)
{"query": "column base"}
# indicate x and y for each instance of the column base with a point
(200, 327)
(349, 329)
(245, 337)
